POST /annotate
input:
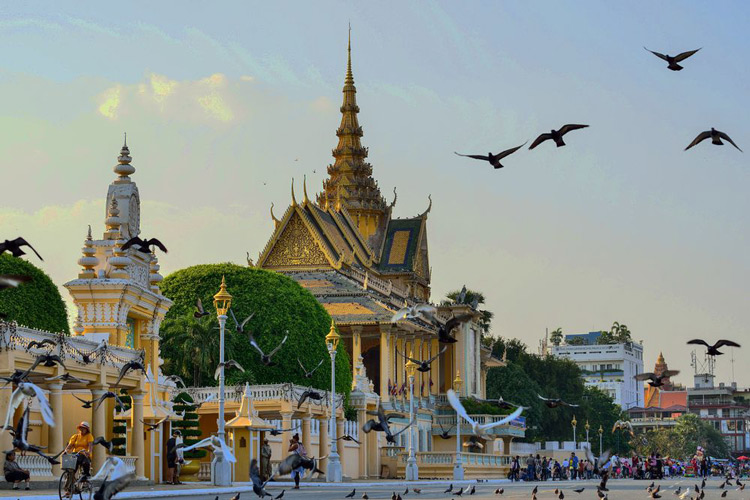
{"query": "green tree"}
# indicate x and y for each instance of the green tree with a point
(621, 333)
(485, 319)
(556, 336)
(36, 304)
(280, 306)
(198, 343)
(577, 340)
(682, 440)
(606, 337)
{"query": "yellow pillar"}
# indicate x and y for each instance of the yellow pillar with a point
(286, 423)
(434, 373)
(339, 433)
(56, 439)
(306, 438)
(385, 360)
(5, 437)
(99, 426)
(323, 441)
(138, 439)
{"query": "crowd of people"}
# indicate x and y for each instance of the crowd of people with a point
(654, 466)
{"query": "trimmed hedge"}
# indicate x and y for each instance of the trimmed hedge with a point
(36, 304)
(188, 425)
(280, 304)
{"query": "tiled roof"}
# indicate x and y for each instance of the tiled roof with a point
(401, 244)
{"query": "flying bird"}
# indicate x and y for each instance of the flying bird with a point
(673, 60)
(26, 390)
(110, 488)
(66, 378)
(40, 344)
(443, 433)
(309, 374)
(503, 404)
(383, 425)
(347, 437)
(12, 280)
(476, 428)
(656, 380)
(309, 394)
(278, 432)
(227, 364)
(715, 135)
(109, 445)
(266, 358)
(215, 443)
(598, 463)
(129, 366)
(88, 357)
(241, 326)
(48, 360)
(444, 330)
(424, 312)
(555, 402)
(295, 461)
(20, 435)
(105, 396)
(155, 425)
(424, 366)
(199, 311)
(176, 379)
(144, 246)
(494, 160)
(713, 350)
(14, 247)
(556, 135)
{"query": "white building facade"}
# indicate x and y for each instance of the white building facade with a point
(610, 367)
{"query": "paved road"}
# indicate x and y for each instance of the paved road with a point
(381, 490)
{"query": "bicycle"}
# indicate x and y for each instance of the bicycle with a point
(82, 488)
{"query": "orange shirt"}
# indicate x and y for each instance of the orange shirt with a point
(80, 442)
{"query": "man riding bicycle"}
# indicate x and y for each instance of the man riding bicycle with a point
(82, 444)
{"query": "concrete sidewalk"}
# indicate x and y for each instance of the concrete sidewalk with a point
(206, 491)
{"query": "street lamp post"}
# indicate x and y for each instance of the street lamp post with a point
(333, 474)
(458, 470)
(574, 423)
(601, 431)
(412, 471)
(587, 426)
(221, 469)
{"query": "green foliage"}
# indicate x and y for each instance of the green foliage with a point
(528, 375)
(618, 334)
(189, 425)
(485, 320)
(577, 340)
(474, 407)
(119, 430)
(279, 304)
(556, 336)
(682, 440)
(36, 304)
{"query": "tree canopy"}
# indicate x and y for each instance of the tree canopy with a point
(280, 306)
(556, 336)
(528, 375)
(36, 304)
(682, 440)
(485, 320)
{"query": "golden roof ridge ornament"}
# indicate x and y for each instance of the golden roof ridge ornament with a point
(304, 189)
(395, 197)
(294, 200)
(424, 214)
(276, 221)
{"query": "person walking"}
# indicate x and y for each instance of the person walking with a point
(173, 458)
(265, 461)
(295, 446)
(13, 472)
(530, 473)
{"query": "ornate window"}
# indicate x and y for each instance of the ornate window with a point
(130, 337)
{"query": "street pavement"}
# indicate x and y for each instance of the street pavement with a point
(383, 490)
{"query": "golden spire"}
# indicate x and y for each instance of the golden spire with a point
(304, 188)
(294, 200)
(123, 168)
(350, 176)
(89, 261)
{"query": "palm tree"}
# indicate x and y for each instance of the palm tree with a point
(556, 336)
(620, 332)
(193, 345)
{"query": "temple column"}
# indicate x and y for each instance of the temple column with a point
(306, 438)
(286, 436)
(341, 444)
(137, 437)
(356, 351)
(507, 440)
(99, 426)
(385, 372)
(323, 440)
(56, 439)
(434, 373)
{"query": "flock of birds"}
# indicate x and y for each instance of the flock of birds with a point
(556, 136)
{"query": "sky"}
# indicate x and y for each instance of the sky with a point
(225, 102)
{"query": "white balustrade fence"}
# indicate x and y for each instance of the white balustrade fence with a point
(36, 465)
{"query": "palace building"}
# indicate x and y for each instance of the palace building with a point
(353, 255)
